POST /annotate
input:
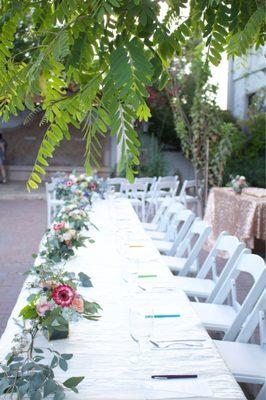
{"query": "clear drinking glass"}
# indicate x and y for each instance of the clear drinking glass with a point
(141, 324)
(131, 273)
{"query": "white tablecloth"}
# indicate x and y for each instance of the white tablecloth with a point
(103, 349)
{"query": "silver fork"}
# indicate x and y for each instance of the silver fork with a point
(177, 343)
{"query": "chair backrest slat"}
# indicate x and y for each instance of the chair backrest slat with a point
(199, 232)
(226, 243)
(253, 319)
(116, 182)
(183, 222)
(257, 270)
(168, 178)
(148, 180)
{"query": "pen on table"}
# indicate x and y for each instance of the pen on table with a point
(163, 316)
(174, 376)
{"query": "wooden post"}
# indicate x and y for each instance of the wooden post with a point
(206, 188)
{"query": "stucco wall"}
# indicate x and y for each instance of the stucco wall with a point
(176, 163)
(247, 75)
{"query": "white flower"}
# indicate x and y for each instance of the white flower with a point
(42, 299)
(69, 234)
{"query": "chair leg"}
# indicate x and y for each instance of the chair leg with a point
(262, 393)
(142, 211)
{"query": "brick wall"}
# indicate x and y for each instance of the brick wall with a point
(24, 141)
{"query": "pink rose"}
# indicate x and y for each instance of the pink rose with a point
(241, 181)
(42, 308)
(69, 183)
(59, 226)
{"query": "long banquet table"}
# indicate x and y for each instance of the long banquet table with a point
(103, 349)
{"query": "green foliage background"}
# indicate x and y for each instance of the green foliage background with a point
(88, 62)
(248, 156)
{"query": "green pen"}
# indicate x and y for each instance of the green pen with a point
(163, 316)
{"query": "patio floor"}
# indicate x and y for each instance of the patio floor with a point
(22, 225)
(17, 190)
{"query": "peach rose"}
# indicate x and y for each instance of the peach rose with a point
(78, 304)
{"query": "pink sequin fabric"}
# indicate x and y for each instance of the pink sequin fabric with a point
(242, 215)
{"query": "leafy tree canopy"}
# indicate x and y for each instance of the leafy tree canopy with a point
(89, 62)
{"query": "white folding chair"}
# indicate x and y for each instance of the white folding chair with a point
(185, 258)
(247, 361)
(53, 205)
(207, 282)
(176, 231)
(136, 192)
(228, 318)
(169, 178)
(160, 191)
(159, 221)
(117, 183)
(167, 229)
(148, 180)
(187, 199)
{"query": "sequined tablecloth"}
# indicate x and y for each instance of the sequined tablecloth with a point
(242, 215)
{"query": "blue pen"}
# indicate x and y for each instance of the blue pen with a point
(163, 316)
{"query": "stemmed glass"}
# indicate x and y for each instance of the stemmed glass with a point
(131, 273)
(111, 192)
(141, 323)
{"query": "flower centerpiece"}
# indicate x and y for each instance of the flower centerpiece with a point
(25, 371)
(49, 272)
(77, 188)
(55, 305)
(61, 240)
(238, 183)
(87, 184)
(75, 216)
(64, 189)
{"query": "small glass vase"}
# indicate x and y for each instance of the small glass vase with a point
(56, 333)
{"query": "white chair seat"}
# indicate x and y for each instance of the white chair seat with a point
(216, 317)
(157, 235)
(195, 287)
(163, 245)
(158, 200)
(174, 263)
(246, 361)
(189, 198)
(149, 226)
(135, 202)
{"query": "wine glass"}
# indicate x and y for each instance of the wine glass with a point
(141, 324)
(131, 273)
(110, 193)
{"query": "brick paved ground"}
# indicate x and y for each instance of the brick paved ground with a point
(22, 224)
